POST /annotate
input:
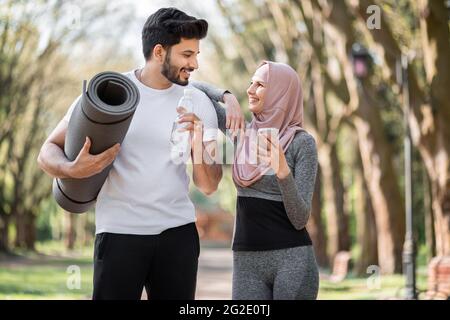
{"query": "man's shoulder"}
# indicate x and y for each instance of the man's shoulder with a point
(198, 93)
(200, 97)
(129, 74)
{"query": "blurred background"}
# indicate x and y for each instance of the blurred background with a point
(371, 71)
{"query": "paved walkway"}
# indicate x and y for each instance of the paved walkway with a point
(214, 274)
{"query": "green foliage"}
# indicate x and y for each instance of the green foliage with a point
(45, 223)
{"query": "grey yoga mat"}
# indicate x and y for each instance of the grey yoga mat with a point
(104, 114)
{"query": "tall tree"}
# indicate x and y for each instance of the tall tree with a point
(429, 96)
(34, 71)
(375, 150)
(315, 225)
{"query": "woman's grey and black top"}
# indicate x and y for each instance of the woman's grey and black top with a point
(272, 213)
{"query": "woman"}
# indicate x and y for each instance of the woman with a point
(273, 257)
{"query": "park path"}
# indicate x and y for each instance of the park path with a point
(214, 274)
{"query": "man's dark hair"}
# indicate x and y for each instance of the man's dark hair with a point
(167, 26)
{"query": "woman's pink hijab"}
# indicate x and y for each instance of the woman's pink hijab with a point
(282, 109)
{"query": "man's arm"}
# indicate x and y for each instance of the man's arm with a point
(54, 162)
(231, 116)
(51, 158)
(206, 173)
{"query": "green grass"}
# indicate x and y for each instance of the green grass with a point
(42, 282)
(353, 288)
(44, 275)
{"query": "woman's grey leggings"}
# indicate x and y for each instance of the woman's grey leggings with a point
(285, 274)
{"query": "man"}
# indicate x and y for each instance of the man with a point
(145, 221)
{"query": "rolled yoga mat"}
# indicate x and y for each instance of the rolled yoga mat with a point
(103, 114)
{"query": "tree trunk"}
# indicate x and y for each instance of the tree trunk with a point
(80, 230)
(315, 225)
(19, 241)
(25, 230)
(71, 230)
(337, 220)
(4, 233)
(366, 231)
(430, 127)
(382, 184)
(430, 107)
(441, 210)
(375, 152)
(429, 218)
(30, 231)
(338, 185)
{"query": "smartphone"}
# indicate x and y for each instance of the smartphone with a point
(267, 132)
(262, 142)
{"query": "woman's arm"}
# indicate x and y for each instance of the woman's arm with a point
(230, 116)
(213, 93)
(297, 189)
(221, 116)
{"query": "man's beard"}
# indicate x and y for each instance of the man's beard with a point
(172, 73)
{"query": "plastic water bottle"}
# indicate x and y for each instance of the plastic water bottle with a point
(180, 140)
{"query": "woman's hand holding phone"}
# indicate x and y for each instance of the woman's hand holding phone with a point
(271, 153)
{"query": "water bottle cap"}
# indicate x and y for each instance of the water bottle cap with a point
(188, 92)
